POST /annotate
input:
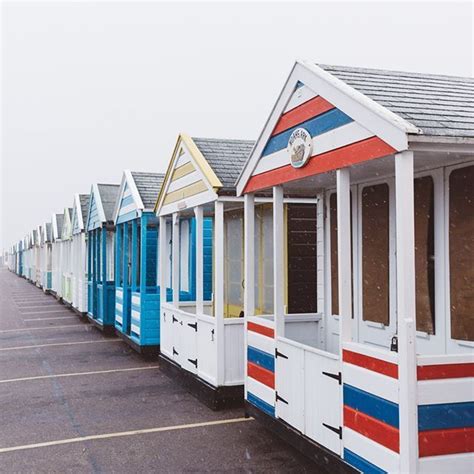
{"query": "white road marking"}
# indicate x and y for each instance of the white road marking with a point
(74, 374)
(46, 312)
(39, 305)
(124, 433)
(43, 329)
(59, 344)
(49, 319)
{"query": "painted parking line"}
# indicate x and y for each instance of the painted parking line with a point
(121, 434)
(43, 328)
(76, 374)
(46, 312)
(100, 341)
(49, 319)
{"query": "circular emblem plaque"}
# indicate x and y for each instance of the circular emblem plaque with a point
(300, 145)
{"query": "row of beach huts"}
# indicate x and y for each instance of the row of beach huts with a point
(321, 276)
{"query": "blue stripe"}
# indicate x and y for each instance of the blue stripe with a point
(261, 358)
(371, 405)
(127, 217)
(126, 201)
(334, 118)
(360, 463)
(446, 416)
(259, 403)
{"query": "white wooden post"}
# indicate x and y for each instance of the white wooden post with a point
(278, 261)
(344, 263)
(163, 265)
(175, 259)
(249, 270)
(406, 315)
(199, 260)
(219, 288)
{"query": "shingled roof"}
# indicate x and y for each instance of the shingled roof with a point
(226, 157)
(59, 222)
(148, 186)
(49, 236)
(108, 195)
(84, 201)
(437, 105)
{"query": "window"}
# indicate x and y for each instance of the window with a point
(461, 244)
(375, 253)
(424, 254)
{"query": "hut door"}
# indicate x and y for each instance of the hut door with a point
(376, 247)
(289, 384)
(188, 346)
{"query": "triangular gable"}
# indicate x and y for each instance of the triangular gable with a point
(95, 214)
(129, 205)
(341, 127)
(66, 233)
(189, 180)
(77, 221)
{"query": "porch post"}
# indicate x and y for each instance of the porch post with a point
(249, 270)
(219, 287)
(344, 263)
(118, 253)
(143, 256)
(163, 267)
(199, 260)
(135, 263)
(406, 315)
(278, 261)
(175, 260)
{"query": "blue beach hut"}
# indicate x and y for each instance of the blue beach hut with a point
(100, 256)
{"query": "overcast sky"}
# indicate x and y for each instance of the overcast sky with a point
(89, 89)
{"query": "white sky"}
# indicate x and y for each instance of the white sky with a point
(89, 89)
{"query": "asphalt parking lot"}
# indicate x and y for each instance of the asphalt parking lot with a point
(72, 400)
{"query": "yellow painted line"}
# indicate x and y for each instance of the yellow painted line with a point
(121, 434)
(182, 170)
(75, 374)
(187, 191)
(100, 341)
(42, 329)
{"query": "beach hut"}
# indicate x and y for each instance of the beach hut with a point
(66, 257)
(137, 298)
(202, 339)
(79, 253)
(56, 232)
(19, 267)
(35, 256)
(378, 374)
(46, 257)
(100, 256)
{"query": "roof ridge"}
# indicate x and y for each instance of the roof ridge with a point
(224, 139)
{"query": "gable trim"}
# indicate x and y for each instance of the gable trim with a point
(127, 180)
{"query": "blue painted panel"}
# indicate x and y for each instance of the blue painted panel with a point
(125, 202)
(93, 221)
(330, 120)
(446, 416)
(261, 358)
(376, 407)
(259, 403)
(127, 217)
(362, 464)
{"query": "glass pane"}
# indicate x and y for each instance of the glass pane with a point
(424, 254)
(461, 243)
(375, 253)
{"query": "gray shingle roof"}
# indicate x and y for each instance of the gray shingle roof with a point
(84, 201)
(438, 105)
(148, 185)
(49, 236)
(226, 157)
(108, 196)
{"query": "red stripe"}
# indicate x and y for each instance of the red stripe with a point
(439, 442)
(364, 150)
(261, 374)
(305, 111)
(371, 363)
(445, 371)
(261, 329)
(371, 428)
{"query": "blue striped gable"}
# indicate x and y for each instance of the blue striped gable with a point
(128, 209)
(93, 221)
(75, 222)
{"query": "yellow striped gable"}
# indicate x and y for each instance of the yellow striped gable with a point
(188, 175)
